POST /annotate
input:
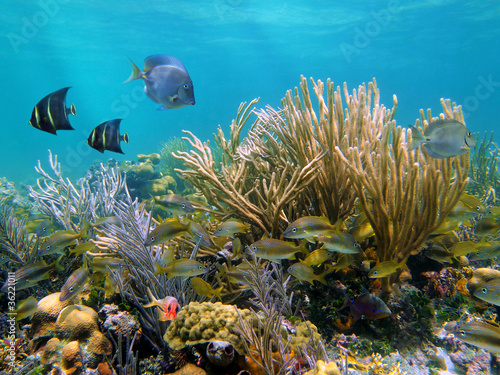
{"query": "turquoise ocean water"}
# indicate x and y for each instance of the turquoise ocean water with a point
(234, 50)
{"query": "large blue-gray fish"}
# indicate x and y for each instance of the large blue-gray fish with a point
(167, 81)
(367, 306)
(443, 139)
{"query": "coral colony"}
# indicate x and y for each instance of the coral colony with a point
(319, 243)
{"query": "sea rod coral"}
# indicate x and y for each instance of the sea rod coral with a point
(406, 195)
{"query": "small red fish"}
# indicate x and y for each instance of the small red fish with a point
(169, 307)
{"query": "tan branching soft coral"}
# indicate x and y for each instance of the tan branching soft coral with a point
(256, 181)
(406, 195)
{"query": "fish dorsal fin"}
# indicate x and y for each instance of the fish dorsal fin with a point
(157, 60)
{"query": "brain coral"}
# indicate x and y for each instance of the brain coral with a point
(203, 322)
(77, 322)
(46, 313)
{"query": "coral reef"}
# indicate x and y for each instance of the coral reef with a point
(204, 322)
(255, 183)
(323, 368)
(406, 195)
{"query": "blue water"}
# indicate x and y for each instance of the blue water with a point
(234, 50)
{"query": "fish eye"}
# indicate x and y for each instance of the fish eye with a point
(462, 332)
(47, 247)
(71, 289)
(294, 230)
(186, 86)
(183, 205)
(484, 290)
(200, 268)
(152, 238)
(375, 272)
(478, 208)
(254, 248)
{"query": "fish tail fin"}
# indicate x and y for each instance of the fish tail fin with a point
(347, 302)
(72, 110)
(85, 228)
(57, 264)
(321, 278)
(337, 226)
(125, 138)
(217, 293)
(154, 301)
(136, 72)
(221, 269)
(303, 247)
(417, 138)
(159, 269)
(402, 264)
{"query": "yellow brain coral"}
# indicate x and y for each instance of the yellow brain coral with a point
(72, 358)
(46, 313)
(77, 322)
(203, 322)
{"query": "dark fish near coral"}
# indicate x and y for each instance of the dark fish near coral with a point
(169, 229)
(107, 137)
(74, 284)
(443, 139)
(439, 253)
(367, 306)
(175, 204)
(50, 114)
(167, 81)
(168, 305)
(477, 333)
(487, 226)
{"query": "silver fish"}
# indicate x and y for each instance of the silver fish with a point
(477, 333)
(489, 292)
(443, 139)
(167, 81)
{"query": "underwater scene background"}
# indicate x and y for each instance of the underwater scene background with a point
(348, 224)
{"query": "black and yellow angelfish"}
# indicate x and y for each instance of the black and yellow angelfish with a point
(51, 114)
(107, 137)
